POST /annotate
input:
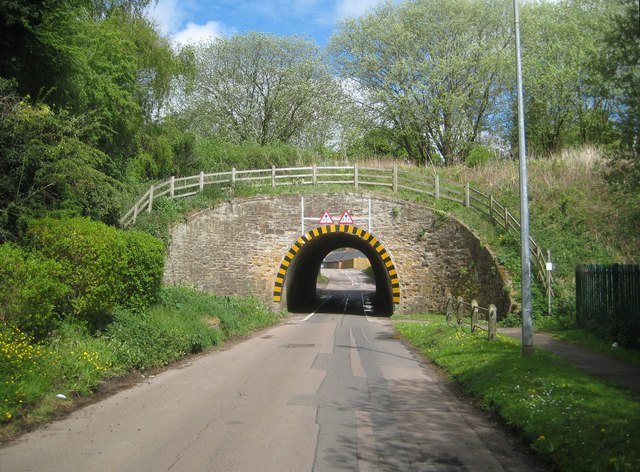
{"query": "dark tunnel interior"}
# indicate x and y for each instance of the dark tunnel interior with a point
(301, 281)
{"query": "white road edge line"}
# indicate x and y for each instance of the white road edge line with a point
(350, 279)
(314, 312)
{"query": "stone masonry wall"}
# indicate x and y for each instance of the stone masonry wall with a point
(237, 248)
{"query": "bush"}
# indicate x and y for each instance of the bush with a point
(144, 270)
(215, 155)
(102, 266)
(94, 260)
(31, 291)
(478, 156)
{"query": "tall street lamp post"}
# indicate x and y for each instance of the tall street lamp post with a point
(527, 324)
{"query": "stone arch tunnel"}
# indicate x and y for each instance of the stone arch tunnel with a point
(300, 267)
(256, 246)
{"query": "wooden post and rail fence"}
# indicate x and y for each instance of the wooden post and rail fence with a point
(395, 179)
(475, 316)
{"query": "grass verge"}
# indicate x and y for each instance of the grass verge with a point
(570, 419)
(41, 379)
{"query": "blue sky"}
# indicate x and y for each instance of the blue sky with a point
(187, 21)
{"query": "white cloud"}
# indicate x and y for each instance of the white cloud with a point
(168, 15)
(172, 18)
(194, 33)
(354, 8)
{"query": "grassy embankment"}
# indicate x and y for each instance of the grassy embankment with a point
(570, 419)
(573, 212)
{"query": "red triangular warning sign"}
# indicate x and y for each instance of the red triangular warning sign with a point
(345, 219)
(326, 219)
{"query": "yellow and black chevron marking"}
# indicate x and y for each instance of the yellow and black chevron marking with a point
(320, 230)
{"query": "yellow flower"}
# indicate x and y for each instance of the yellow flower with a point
(540, 438)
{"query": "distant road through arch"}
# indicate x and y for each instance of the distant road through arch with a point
(299, 268)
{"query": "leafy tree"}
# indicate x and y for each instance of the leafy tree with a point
(428, 72)
(47, 163)
(620, 64)
(98, 59)
(262, 88)
(562, 105)
(621, 67)
(34, 38)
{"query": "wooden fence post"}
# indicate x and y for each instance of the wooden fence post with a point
(447, 313)
(315, 174)
(491, 207)
(395, 178)
(135, 213)
(467, 195)
(437, 183)
(549, 268)
(460, 313)
(201, 182)
(233, 176)
(150, 207)
(172, 187)
(493, 322)
(474, 315)
(355, 175)
(273, 176)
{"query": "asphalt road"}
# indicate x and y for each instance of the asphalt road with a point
(321, 392)
(348, 291)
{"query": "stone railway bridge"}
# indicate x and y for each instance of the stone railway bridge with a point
(257, 245)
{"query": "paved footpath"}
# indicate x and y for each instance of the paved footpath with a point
(591, 362)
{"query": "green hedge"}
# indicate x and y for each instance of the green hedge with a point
(79, 269)
(94, 260)
(31, 290)
(145, 268)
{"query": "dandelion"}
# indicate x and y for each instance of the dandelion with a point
(540, 438)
